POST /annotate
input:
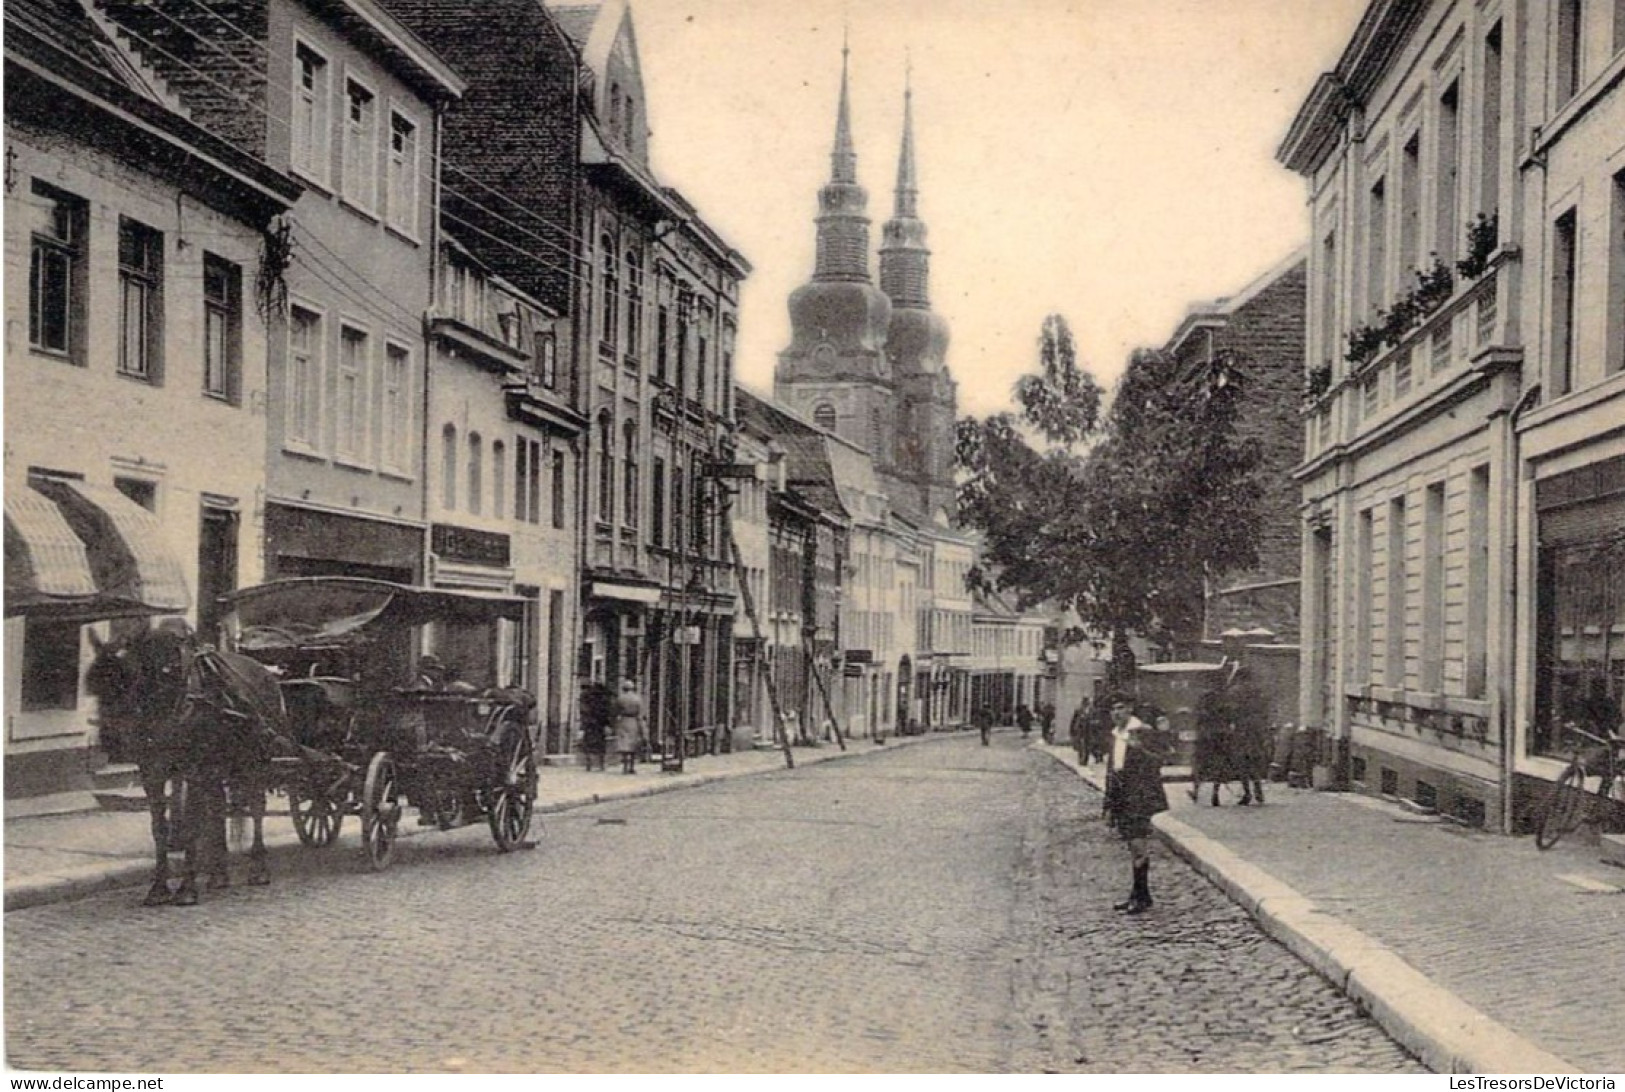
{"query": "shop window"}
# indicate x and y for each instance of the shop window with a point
(1580, 638)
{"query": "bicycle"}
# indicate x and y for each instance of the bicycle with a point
(1569, 805)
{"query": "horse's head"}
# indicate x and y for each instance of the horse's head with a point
(138, 681)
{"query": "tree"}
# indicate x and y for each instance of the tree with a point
(1121, 516)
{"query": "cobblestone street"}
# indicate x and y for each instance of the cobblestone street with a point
(934, 908)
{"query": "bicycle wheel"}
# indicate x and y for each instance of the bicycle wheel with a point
(1564, 807)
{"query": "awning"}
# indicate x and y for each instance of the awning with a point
(77, 552)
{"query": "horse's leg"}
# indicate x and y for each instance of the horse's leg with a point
(259, 873)
(219, 846)
(152, 784)
(1216, 785)
(194, 821)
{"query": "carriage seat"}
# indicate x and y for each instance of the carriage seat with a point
(318, 709)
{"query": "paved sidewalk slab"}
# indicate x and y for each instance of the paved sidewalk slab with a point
(1474, 950)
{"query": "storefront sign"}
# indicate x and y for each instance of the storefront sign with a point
(469, 545)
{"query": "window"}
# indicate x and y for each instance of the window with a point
(1410, 206)
(1328, 298)
(395, 410)
(547, 356)
(140, 275)
(350, 395)
(526, 489)
(610, 285)
(1478, 579)
(499, 480)
(1433, 545)
(702, 363)
(1360, 667)
(1569, 43)
(476, 472)
(606, 470)
(662, 333)
(634, 303)
(680, 381)
(310, 126)
(448, 468)
(304, 376)
(1564, 297)
(678, 507)
(630, 470)
(1447, 225)
(360, 181)
(1489, 164)
(56, 272)
(1615, 360)
(824, 417)
(403, 173)
(1394, 618)
(657, 502)
(50, 676)
(1377, 247)
(222, 328)
(558, 490)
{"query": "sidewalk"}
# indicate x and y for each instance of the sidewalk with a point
(1476, 951)
(63, 846)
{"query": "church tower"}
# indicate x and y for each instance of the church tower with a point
(836, 372)
(917, 348)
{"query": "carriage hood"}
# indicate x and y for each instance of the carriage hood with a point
(288, 612)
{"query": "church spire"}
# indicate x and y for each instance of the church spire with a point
(904, 258)
(907, 187)
(843, 226)
(843, 160)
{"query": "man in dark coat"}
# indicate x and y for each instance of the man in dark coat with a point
(597, 707)
(1251, 742)
(1134, 793)
(1212, 759)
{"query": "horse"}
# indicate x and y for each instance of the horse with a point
(200, 723)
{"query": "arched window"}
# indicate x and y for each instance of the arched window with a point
(615, 108)
(824, 417)
(634, 303)
(499, 478)
(629, 491)
(476, 472)
(448, 468)
(611, 293)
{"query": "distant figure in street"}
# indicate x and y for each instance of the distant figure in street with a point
(1024, 719)
(596, 711)
(1134, 793)
(628, 725)
(1251, 743)
(1097, 737)
(1046, 722)
(983, 719)
(1078, 731)
(1212, 759)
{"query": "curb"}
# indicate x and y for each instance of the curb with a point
(1444, 1032)
(96, 879)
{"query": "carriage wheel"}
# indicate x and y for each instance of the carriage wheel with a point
(316, 819)
(514, 800)
(380, 811)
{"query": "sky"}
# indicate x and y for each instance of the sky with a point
(1110, 160)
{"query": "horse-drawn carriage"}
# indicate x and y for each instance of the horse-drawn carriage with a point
(371, 731)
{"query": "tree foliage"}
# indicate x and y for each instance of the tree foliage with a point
(1121, 515)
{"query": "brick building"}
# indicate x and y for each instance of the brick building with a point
(1260, 329)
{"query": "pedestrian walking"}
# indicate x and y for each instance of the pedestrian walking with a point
(1213, 757)
(1078, 731)
(1024, 720)
(628, 725)
(1046, 722)
(597, 709)
(1134, 793)
(983, 719)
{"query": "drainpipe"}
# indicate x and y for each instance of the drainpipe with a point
(1504, 712)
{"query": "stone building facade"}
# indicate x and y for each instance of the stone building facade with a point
(135, 357)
